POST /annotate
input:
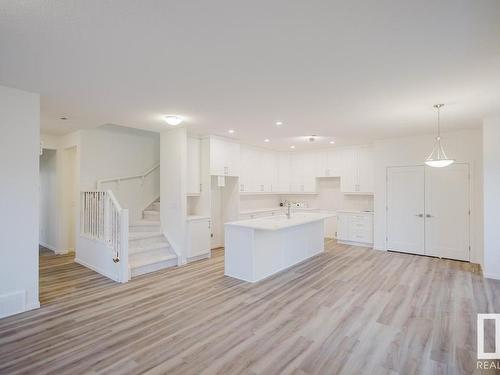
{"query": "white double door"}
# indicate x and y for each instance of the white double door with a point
(428, 210)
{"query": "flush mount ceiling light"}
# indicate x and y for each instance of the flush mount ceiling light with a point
(332, 142)
(438, 158)
(231, 131)
(173, 119)
(279, 123)
(266, 140)
(292, 147)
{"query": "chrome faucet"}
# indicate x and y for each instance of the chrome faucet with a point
(288, 209)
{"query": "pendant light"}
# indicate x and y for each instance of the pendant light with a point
(438, 158)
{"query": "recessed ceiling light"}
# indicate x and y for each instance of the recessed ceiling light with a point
(266, 140)
(332, 142)
(231, 131)
(292, 147)
(173, 119)
(279, 123)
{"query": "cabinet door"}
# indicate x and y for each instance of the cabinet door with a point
(217, 158)
(343, 227)
(232, 158)
(199, 232)
(246, 165)
(333, 163)
(322, 169)
(447, 220)
(193, 166)
(405, 209)
(349, 170)
(284, 177)
(365, 170)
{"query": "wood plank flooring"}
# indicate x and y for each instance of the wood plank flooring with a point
(348, 311)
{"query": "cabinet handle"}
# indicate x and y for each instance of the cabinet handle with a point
(429, 215)
(200, 188)
(419, 215)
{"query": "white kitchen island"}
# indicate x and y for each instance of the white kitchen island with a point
(258, 248)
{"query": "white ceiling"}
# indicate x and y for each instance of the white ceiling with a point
(347, 70)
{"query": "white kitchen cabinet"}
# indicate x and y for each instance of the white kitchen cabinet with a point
(284, 172)
(302, 172)
(193, 166)
(356, 175)
(224, 157)
(198, 238)
(328, 163)
(355, 228)
(258, 170)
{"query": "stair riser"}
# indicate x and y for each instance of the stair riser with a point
(151, 215)
(153, 267)
(146, 241)
(156, 206)
(132, 251)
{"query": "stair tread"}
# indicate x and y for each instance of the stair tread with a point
(143, 222)
(151, 212)
(152, 246)
(141, 235)
(144, 259)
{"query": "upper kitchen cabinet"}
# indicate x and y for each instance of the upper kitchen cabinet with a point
(258, 170)
(357, 170)
(303, 172)
(224, 157)
(329, 163)
(193, 166)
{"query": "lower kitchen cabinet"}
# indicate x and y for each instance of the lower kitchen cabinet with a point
(198, 238)
(355, 228)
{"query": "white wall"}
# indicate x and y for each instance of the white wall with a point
(173, 188)
(114, 151)
(464, 146)
(19, 197)
(48, 230)
(491, 172)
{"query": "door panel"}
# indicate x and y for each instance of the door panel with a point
(405, 209)
(447, 211)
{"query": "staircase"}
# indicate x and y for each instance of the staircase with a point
(149, 250)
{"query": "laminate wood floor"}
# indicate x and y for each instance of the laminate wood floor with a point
(349, 311)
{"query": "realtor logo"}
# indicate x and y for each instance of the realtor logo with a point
(480, 336)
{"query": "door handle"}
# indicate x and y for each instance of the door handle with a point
(419, 215)
(429, 215)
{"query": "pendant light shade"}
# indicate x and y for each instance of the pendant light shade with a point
(438, 158)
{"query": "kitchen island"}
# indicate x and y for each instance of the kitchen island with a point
(258, 248)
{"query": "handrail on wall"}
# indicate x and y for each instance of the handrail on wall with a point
(118, 179)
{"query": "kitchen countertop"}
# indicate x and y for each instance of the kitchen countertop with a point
(280, 221)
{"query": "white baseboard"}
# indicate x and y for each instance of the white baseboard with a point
(352, 243)
(98, 270)
(50, 247)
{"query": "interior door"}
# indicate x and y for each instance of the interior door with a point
(447, 211)
(405, 209)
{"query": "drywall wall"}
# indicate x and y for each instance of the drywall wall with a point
(173, 187)
(491, 189)
(114, 151)
(19, 199)
(464, 146)
(49, 220)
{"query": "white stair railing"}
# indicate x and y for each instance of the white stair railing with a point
(104, 220)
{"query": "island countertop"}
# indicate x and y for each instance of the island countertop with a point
(280, 221)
